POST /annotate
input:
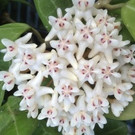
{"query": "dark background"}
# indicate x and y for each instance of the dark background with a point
(25, 12)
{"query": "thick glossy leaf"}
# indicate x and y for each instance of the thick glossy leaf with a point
(12, 31)
(4, 65)
(128, 16)
(2, 93)
(112, 128)
(47, 8)
(14, 122)
(124, 31)
(127, 114)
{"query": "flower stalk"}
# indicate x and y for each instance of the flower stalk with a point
(106, 4)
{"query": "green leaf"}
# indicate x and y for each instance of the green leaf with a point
(127, 114)
(13, 121)
(4, 65)
(12, 31)
(128, 16)
(124, 31)
(112, 128)
(2, 93)
(47, 8)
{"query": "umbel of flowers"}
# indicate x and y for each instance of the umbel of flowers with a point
(92, 69)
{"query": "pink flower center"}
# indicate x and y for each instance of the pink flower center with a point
(83, 1)
(67, 90)
(87, 70)
(106, 38)
(49, 112)
(11, 48)
(86, 32)
(64, 44)
(53, 66)
(107, 72)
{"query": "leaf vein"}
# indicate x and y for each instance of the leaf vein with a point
(130, 7)
(12, 114)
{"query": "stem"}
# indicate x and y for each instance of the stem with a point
(109, 6)
(37, 34)
(106, 4)
(6, 19)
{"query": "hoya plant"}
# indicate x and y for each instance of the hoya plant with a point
(79, 80)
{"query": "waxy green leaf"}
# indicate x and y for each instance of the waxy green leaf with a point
(128, 16)
(2, 93)
(13, 121)
(4, 65)
(112, 127)
(117, 14)
(12, 31)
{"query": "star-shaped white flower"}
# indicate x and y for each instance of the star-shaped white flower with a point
(128, 73)
(96, 99)
(68, 90)
(83, 4)
(84, 35)
(117, 51)
(86, 130)
(56, 67)
(50, 111)
(28, 58)
(105, 42)
(66, 47)
(32, 110)
(63, 121)
(12, 47)
(9, 80)
(87, 70)
(123, 92)
(118, 106)
(129, 54)
(61, 24)
(103, 19)
(28, 91)
(108, 72)
(98, 119)
(80, 115)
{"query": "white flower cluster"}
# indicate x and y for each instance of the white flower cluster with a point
(89, 66)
